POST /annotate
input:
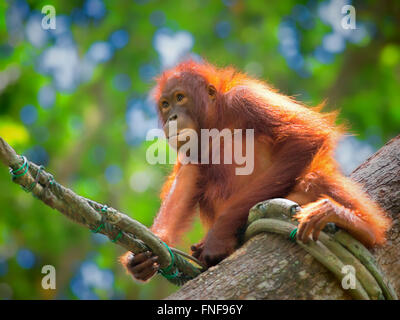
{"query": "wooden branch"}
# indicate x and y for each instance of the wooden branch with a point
(270, 266)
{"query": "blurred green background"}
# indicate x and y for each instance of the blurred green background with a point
(75, 99)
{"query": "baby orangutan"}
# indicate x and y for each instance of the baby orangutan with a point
(293, 159)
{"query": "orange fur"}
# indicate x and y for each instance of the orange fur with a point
(303, 138)
(294, 159)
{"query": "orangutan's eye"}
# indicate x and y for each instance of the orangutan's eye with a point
(179, 97)
(165, 104)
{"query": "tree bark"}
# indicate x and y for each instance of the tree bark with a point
(269, 266)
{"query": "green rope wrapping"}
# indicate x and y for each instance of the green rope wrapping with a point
(100, 227)
(334, 249)
(184, 271)
(119, 235)
(292, 235)
(15, 174)
(51, 180)
(33, 184)
(166, 271)
(106, 225)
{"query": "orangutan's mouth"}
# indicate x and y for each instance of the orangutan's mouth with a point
(178, 134)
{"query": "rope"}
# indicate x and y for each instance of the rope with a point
(106, 225)
(16, 174)
(33, 184)
(166, 272)
(292, 235)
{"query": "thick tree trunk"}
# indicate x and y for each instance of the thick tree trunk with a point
(271, 267)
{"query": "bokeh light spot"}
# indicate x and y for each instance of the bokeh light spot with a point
(122, 82)
(46, 97)
(95, 8)
(119, 39)
(25, 258)
(100, 51)
(113, 174)
(223, 29)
